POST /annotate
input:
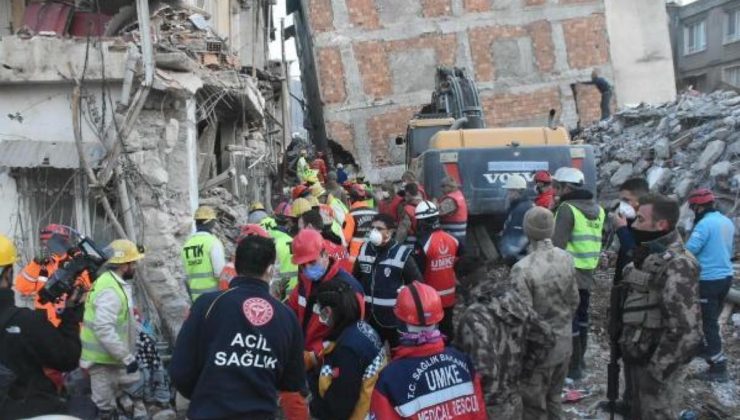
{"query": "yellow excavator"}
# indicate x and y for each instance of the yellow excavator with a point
(449, 138)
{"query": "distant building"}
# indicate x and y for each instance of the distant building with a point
(705, 37)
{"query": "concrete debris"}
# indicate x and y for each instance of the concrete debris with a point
(677, 146)
(231, 215)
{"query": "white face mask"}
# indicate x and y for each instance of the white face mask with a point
(626, 210)
(375, 237)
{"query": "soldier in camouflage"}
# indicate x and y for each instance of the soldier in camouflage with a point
(661, 318)
(502, 334)
(546, 280)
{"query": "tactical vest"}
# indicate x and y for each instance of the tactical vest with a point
(196, 255)
(363, 219)
(456, 223)
(381, 277)
(92, 350)
(585, 240)
(440, 251)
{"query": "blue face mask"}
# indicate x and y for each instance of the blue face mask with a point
(314, 271)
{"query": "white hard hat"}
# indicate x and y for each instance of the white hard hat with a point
(516, 182)
(568, 175)
(340, 166)
(426, 210)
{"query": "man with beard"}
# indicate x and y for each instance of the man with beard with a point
(579, 222)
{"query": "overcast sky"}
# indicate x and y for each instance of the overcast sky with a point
(279, 12)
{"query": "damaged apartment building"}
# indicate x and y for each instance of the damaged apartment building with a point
(119, 118)
(369, 65)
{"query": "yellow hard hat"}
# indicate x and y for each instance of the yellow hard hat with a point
(300, 206)
(8, 253)
(123, 251)
(257, 205)
(205, 213)
(317, 190)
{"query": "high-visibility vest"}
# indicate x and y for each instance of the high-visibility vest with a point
(92, 350)
(288, 270)
(196, 256)
(440, 252)
(585, 240)
(456, 223)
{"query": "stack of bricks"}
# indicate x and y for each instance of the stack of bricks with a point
(376, 61)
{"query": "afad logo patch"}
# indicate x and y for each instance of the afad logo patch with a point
(258, 311)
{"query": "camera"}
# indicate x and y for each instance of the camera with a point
(84, 256)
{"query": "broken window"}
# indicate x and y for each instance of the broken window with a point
(731, 75)
(732, 26)
(695, 37)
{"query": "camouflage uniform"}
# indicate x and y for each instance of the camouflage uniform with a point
(546, 280)
(661, 324)
(505, 338)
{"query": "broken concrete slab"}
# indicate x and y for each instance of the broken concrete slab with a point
(711, 153)
(662, 148)
(622, 174)
(720, 169)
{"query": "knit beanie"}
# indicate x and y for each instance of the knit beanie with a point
(539, 223)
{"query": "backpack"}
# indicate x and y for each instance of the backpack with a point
(7, 376)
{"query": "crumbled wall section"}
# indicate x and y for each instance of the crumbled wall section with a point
(159, 148)
(376, 61)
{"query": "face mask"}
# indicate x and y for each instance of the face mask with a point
(314, 271)
(642, 236)
(626, 210)
(375, 237)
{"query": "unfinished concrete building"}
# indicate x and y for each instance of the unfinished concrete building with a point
(369, 65)
(98, 137)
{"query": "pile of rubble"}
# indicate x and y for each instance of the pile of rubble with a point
(231, 216)
(677, 146)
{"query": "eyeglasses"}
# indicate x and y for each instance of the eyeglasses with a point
(378, 227)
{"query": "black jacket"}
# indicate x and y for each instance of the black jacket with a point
(28, 343)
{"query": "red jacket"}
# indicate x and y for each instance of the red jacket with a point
(440, 254)
(320, 166)
(428, 381)
(392, 208)
(339, 254)
(303, 296)
(546, 199)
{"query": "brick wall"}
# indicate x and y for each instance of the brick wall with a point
(376, 59)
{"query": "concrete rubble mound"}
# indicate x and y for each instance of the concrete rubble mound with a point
(678, 146)
(231, 216)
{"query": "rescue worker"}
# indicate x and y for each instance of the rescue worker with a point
(399, 200)
(315, 266)
(203, 255)
(545, 191)
(382, 267)
(436, 253)
(546, 280)
(319, 165)
(406, 232)
(239, 351)
(503, 335)
(453, 209)
(313, 220)
(34, 275)
(229, 271)
(257, 212)
(362, 213)
(302, 169)
(341, 174)
(29, 343)
(712, 242)
(579, 222)
(342, 388)
(661, 315)
(109, 331)
(513, 242)
(425, 379)
(288, 272)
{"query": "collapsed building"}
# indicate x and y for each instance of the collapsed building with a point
(369, 65)
(120, 123)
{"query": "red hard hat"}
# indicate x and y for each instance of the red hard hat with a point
(701, 196)
(54, 229)
(298, 191)
(542, 176)
(307, 246)
(418, 304)
(252, 229)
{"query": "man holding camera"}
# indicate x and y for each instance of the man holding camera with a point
(28, 343)
(109, 331)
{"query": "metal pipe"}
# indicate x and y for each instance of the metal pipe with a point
(147, 49)
(458, 123)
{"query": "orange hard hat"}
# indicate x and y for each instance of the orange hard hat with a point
(418, 304)
(701, 196)
(251, 229)
(54, 229)
(298, 191)
(542, 176)
(307, 246)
